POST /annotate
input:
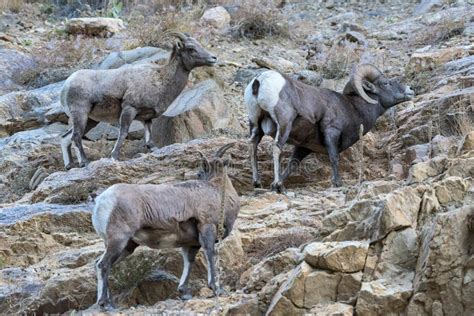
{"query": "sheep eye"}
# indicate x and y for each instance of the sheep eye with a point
(192, 50)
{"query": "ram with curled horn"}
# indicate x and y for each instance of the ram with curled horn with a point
(316, 119)
(188, 214)
(140, 92)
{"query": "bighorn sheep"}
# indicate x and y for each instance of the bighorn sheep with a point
(140, 93)
(316, 119)
(185, 215)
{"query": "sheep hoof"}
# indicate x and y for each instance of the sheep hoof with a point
(68, 167)
(186, 297)
(337, 183)
(107, 306)
(278, 187)
(257, 184)
(83, 164)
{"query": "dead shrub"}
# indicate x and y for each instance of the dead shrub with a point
(12, 5)
(420, 81)
(152, 30)
(257, 20)
(335, 62)
(60, 58)
(277, 244)
(437, 32)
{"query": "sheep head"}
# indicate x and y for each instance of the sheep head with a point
(212, 167)
(191, 53)
(369, 80)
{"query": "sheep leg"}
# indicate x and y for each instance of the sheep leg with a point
(283, 132)
(331, 138)
(66, 144)
(299, 153)
(126, 118)
(148, 142)
(114, 250)
(189, 255)
(255, 138)
(207, 239)
(79, 120)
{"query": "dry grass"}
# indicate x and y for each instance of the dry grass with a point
(437, 32)
(12, 5)
(59, 58)
(257, 20)
(336, 62)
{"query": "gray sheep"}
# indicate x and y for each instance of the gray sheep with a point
(185, 215)
(316, 119)
(122, 95)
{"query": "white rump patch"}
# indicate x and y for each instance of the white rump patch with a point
(271, 84)
(104, 205)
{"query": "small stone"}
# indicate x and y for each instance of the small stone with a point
(94, 26)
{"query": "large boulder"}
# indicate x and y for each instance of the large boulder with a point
(30, 109)
(210, 112)
(98, 26)
(217, 17)
(345, 256)
(134, 56)
(13, 66)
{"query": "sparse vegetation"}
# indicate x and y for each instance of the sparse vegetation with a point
(59, 58)
(257, 20)
(438, 32)
(336, 62)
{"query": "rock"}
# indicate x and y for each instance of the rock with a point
(309, 77)
(244, 75)
(217, 17)
(444, 145)
(429, 61)
(134, 56)
(400, 210)
(332, 309)
(451, 189)
(384, 296)
(210, 112)
(417, 153)
(14, 65)
(346, 256)
(27, 109)
(442, 263)
(315, 293)
(260, 274)
(468, 142)
(98, 26)
(426, 6)
(278, 63)
(399, 254)
(290, 296)
(349, 287)
(355, 37)
(420, 172)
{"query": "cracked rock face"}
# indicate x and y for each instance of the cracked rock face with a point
(396, 239)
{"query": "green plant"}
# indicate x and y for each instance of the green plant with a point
(115, 9)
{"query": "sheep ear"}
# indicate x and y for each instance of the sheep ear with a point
(179, 45)
(369, 87)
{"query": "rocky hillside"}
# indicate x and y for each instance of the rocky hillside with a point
(396, 239)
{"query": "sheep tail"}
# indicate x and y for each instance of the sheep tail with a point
(255, 87)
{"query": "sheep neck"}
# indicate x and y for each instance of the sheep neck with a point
(368, 113)
(175, 76)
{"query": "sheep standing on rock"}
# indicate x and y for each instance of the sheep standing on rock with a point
(186, 215)
(316, 119)
(140, 93)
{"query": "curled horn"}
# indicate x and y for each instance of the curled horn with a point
(223, 149)
(179, 35)
(369, 72)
